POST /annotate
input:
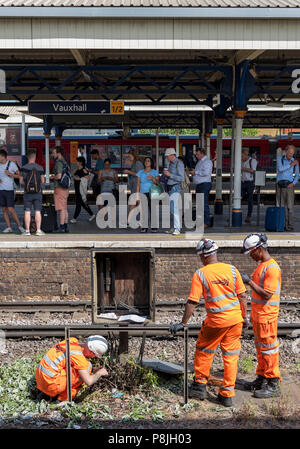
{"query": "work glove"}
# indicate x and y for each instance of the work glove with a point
(245, 324)
(176, 327)
(246, 278)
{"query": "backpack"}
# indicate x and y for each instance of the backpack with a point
(65, 180)
(184, 185)
(32, 181)
(16, 180)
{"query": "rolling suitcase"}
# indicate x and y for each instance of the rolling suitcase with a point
(274, 220)
(49, 218)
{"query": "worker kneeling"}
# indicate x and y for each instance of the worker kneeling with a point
(265, 283)
(51, 373)
(226, 305)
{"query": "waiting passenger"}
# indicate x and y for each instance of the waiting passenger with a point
(95, 171)
(8, 171)
(107, 178)
(32, 176)
(81, 178)
(146, 178)
(51, 373)
(60, 194)
(249, 165)
(287, 178)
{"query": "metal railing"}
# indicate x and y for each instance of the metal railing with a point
(127, 328)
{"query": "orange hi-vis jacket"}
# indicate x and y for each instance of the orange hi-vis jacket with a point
(53, 364)
(220, 284)
(268, 276)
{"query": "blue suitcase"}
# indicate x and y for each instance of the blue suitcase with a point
(274, 220)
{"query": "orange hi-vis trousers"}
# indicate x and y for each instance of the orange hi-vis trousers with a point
(209, 339)
(267, 349)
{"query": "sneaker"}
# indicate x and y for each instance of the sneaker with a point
(21, 229)
(40, 232)
(92, 217)
(73, 220)
(169, 231)
(7, 230)
(176, 232)
(26, 232)
(227, 402)
(270, 389)
(248, 220)
(255, 384)
(198, 390)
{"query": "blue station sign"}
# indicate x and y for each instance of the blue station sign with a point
(89, 107)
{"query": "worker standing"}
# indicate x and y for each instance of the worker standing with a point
(226, 306)
(51, 373)
(265, 284)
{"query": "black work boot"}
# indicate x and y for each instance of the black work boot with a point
(198, 390)
(227, 402)
(255, 384)
(270, 389)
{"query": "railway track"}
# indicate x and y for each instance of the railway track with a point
(284, 329)
(85, 306)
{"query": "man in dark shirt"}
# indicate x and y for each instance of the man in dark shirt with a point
(32, 176)
(80, 173)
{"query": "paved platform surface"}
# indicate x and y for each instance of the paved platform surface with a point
(86, 234)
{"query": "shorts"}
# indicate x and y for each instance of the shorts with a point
(61, 198)
(7, 198)
(33, 199)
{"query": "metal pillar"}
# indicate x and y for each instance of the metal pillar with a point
(177, 142)
(157, 149)
(231, 170)
(219, 200)
(207, 139)
(47, 159)
(203, 130)
(23, 140)
(237, 210)
(185, 387)
(68, 364)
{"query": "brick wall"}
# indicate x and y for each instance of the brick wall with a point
(175, 268)
(38, 274)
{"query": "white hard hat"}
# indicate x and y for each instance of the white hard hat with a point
(206, 247)
(97, 344)
(253, 241)
(170, 151)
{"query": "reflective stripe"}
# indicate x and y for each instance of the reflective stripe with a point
(265, 302)
(200, 378)
(227, 388)
(262, 276)
(54, 363)
(262, 345)
(46, 371)
(76, 352)
(278, 290)
(219, 298)
(209, 351)
(235, 352)
(59, 359)
(271, 351)
(90, 366)
(221, 309)
(204, 282)
(50, 362)
(233, 271)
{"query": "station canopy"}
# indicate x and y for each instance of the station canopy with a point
(167, 60)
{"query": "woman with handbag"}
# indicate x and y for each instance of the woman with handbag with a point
(146, 178)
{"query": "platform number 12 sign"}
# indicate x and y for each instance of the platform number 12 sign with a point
(117, 107)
